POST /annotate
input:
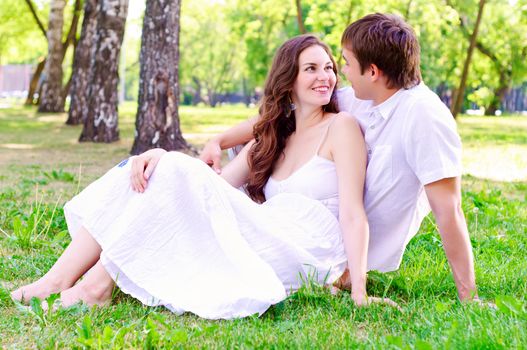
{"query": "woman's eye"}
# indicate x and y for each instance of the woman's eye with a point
(310, 69)
(329, 68)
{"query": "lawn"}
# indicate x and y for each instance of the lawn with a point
(42, 165)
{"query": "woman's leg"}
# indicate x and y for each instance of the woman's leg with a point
(80, 255)
(94, 289)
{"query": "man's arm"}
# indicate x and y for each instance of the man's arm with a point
(444, 197)
(238, 134)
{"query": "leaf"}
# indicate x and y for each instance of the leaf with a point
(36, 306)
(441, 307)
(510, 305)
(86, 328)
(178, 336)
(107, 335)
(423, 345)
(395, 340)
(51, 300)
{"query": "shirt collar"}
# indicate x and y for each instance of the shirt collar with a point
(385, 109)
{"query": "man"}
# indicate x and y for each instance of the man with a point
(414, 151)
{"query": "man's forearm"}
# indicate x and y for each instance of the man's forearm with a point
(237, 135)
(456, 242)
(444, 197)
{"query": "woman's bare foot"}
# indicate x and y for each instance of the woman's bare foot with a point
(344, 281)
(41, 289)
(88, 293)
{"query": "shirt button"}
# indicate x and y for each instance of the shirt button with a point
(372, 127)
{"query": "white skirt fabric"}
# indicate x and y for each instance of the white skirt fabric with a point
(193, 243)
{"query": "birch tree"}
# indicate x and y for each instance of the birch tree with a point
(157, 123)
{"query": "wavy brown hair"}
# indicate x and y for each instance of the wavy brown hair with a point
(276, 122)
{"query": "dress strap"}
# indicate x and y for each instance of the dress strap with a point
(324, 136)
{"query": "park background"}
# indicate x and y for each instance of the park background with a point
(225, 48)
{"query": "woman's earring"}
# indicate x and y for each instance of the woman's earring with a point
(292, 107)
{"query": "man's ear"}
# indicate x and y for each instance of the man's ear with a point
(375, 72)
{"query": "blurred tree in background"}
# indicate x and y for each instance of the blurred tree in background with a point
(226, 46)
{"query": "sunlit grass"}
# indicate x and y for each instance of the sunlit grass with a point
(42, 164)
(495, 147)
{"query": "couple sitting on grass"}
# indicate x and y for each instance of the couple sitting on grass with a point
(338, 182)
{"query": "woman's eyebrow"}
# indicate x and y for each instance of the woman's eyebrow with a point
(315, 64)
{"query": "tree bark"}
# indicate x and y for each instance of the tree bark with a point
(101, 123)
(299, 19)
(33, 84)
(70, 39)
(456, 105)
(157, 123)
(499, 95)
(82, 61)
(196, 98)
(51, 99)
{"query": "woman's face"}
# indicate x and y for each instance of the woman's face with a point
(316, 79)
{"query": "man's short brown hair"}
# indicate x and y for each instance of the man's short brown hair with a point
(387, 41)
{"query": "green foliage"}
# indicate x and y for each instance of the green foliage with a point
(227, 46)
(208, 64)
(21, 41)
(30, 230)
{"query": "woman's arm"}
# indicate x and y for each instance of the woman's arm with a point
(237, 135)
(349, 153)
(144, 164)
(237, 171)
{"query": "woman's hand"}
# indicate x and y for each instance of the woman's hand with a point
(143, 166)
(211, 154)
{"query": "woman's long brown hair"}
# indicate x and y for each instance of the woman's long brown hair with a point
(276, 122)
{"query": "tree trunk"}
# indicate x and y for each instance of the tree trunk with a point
(33, 85)
(70, 39)
(81, 77)
(456, 105)
(51, 99)
(157, 122)
(196, 98)
(101, 120)
(299, 19)
(246, 92)
(499, 95)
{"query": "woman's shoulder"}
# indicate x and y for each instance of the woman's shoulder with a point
(343, 122)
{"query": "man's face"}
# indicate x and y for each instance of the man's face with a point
(361, 82)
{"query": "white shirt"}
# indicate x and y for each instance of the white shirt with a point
(412, 141)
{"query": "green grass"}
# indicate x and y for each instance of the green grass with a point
(42, 165)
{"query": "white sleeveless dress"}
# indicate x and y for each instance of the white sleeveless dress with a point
(193, 243)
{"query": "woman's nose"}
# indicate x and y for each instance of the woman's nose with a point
(322, 75)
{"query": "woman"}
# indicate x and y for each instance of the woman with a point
(193, 242)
